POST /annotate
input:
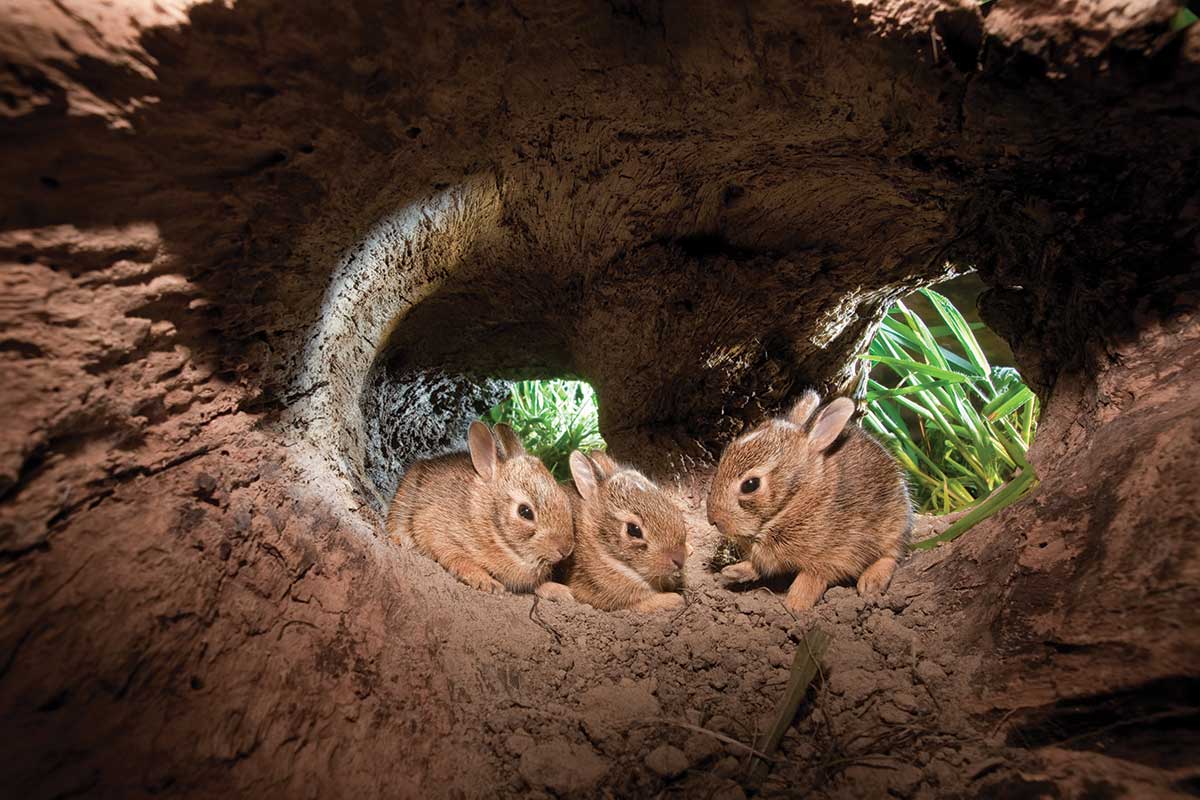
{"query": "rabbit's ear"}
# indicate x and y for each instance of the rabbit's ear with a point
(509, 442)
(605, 466)
(584, 475)
(483, 450)
(803, 410)
(829, 423)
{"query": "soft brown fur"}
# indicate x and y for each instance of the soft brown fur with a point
(832, 504)
(469, 522)
(611, 569)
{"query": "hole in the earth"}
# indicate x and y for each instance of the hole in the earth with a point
(1157, 724)
(413, 413)
(945, 395)
(1189, 785)
(416, 412)
(552, 417)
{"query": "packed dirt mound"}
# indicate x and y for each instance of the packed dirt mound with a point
(256, 256)
(569, 700)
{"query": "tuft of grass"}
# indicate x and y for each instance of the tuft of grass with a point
(552, 417)
(1183, 18)
(959, 426)
(806, 666)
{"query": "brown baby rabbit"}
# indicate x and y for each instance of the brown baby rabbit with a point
(630, 539)
(494, 519)
(807, 494)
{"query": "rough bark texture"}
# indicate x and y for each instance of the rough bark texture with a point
(244, 249)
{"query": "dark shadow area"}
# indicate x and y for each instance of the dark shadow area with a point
(1156, 724)
(965, 292)
(417, 413)
(708, 207)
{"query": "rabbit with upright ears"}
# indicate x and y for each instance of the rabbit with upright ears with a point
(807, 494)
(495, 518)
(630, 539)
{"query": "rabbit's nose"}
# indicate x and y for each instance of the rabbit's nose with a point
(678, 557)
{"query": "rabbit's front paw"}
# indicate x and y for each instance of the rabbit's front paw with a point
(485, 583)
(877, 577)
(804, 592)
(741, 572)
(664, 601)
(555, 592)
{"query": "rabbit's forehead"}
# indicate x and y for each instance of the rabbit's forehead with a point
(527, 469)
(631, 481)
(633, 492)
(759, 448)
(527, 475)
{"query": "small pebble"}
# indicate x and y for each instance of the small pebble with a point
(745, 605)
(929, 672)
(802, 751)
(733, 661)
(778, 658)
(906, 702)
(721, 724)
(846, 613)
(780, 620)
(176, 400)
(729, 792)
(700, 747)
(518, 742)
(891, 715)
(667, 761)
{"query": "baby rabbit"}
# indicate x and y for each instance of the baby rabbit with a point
(494, 520)
(806, 494)
(630, 539)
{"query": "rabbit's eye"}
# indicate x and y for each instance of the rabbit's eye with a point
(749, 485)
(633, 530)
(525, 511)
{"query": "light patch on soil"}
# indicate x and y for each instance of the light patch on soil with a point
(642, 695)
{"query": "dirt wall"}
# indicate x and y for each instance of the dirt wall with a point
(223, 225)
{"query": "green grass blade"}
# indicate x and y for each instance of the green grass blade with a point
(961, 331)
(958, 426)
(918, 367)
(995, 502)
(1008, 402)
(883, 394)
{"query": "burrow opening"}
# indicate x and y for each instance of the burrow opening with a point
(462, 353)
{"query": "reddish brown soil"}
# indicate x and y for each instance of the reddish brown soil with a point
(254, 259)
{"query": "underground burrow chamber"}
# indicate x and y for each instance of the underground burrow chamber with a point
(257, 257)
(468, 338)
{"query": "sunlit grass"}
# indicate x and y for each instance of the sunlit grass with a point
(552, 417)
(958, 425)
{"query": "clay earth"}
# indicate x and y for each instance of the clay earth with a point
(257, 257)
